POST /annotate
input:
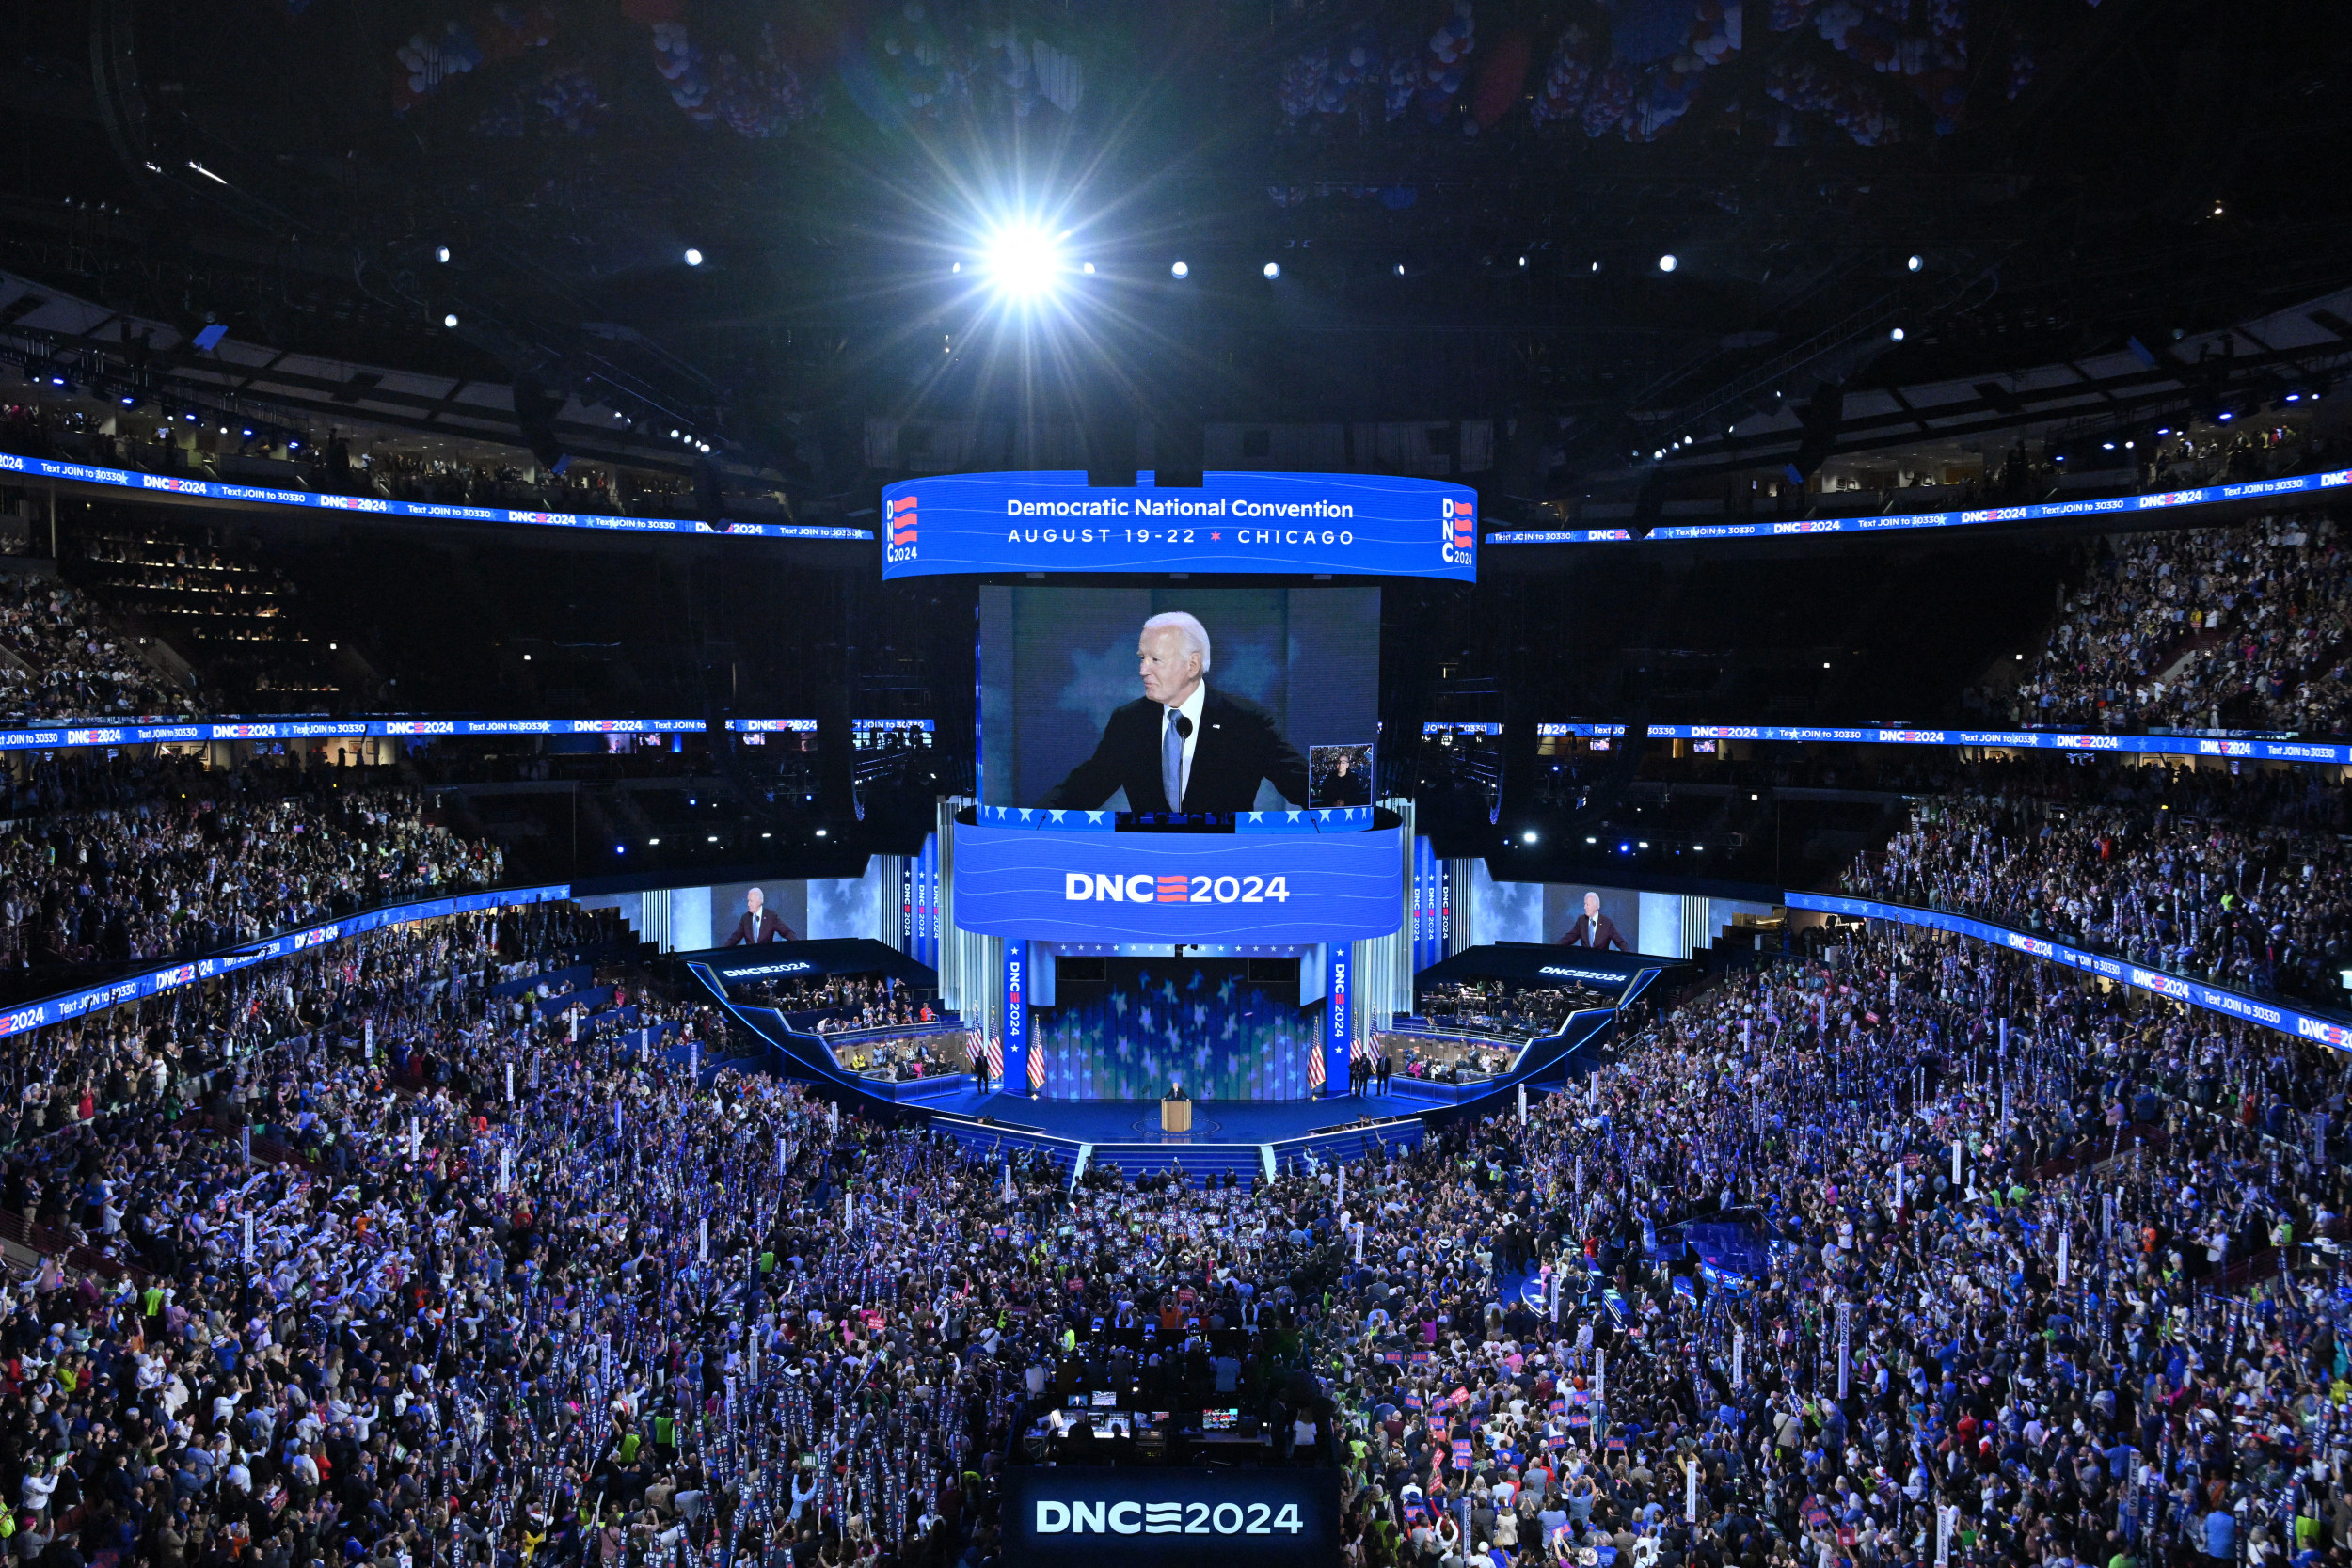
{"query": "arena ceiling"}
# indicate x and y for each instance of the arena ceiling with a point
(1468, 199)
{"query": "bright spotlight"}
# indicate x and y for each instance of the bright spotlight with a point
(1668, 261)
(1915, 263)
(449, 320)
(1177, 269)
(1023, 261)
(693, 257)
(441, 255)
(1528, 837)
(1273, 270)
(1088, 269)
(1897, 335)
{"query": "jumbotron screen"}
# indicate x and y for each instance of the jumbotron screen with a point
(1175, 699)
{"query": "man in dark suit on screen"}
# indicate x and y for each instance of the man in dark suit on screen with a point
(759, 923)
(1593, 929)
(1181, 745)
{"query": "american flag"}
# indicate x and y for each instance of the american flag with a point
(1037, 1067)
(1314, 1069)
(995, 1052)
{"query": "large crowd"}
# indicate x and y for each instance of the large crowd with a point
(2232, 879)
(2239, 627)
(1502, 1007)
(1916, 1226)
(182, 861)
(63, 660)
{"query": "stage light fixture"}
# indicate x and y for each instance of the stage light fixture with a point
(955, 267)
(1179, 270)
(820, 832)
(1668, 261)
(1273, 270)
(672, 434)
(1088, 269)
(693, 257)
(1528, 837)
(1897, 335)
(1023, 260)
(1915, 263)
(449, 320)
(1400, 269)
(442, 255)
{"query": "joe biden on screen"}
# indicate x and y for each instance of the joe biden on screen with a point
(1184, 746)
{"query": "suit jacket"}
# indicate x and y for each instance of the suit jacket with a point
(771, 929)
(1585, 934)
(1353, 790)
(1238, 745)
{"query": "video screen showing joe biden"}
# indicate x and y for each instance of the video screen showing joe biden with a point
(1160, 698)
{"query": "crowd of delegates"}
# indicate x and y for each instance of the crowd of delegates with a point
(898, 1060)
(67, 662)
(2232, 879)
(2240, 628)
(844, 1004)
(186, 861)
(1438, 1059)
(621, 1317)
(1499, 1007)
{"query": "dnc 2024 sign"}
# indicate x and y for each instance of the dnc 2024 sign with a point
(1357, 525)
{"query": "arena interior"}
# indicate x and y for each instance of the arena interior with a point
(1279, 784)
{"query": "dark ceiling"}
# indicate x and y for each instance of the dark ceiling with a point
(1468, 198)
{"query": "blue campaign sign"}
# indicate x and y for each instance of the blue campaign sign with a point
(2195, 994)
(1343, 525)
(1092, 886)
(133, 988)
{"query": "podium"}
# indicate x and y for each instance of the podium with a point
(1175, 1115)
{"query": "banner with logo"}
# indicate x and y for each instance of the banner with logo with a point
(1340, 525)
(2042, 511)
(2195, 994)
(426, 510)
(1016, 1067)
(1095, 887)
(2253, 748)
(1244, 1516)
(1338, 1022)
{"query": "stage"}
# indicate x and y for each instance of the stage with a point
(1214, 1121)
(1241, 1137)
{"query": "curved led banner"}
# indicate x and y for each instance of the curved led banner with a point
(2195, 994)
(2041, 512)
(209, 489)
(136, 987)
(1338, 525)
(83, 732)
(1179, 887)
(2253, 749)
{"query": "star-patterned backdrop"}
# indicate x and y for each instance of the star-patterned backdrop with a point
(1159, 1021)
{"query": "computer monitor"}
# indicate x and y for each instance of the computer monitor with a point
(1219, 1420)
(1105, 1398)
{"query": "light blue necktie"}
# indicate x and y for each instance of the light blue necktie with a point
(1172, 763)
